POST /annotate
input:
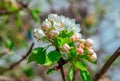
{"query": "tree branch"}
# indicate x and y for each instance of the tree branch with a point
(17, 63)
(106, 66)
(6, 12)
(61, 62)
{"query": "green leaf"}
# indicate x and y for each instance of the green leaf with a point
(28, 71)
(9, 44)
(48, 62)
(72, 52)
(85, 75)
(79, 65)
(65, 34)
(51, 70)
(38, 55)
(62, 41)
(35, 14)
(54, 56)
(70, 74)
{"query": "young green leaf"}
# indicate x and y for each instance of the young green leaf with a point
(62, 41)
(65, 34)
(49, 71)
(85, 75)
(38, 55)
(35, 14)
(9, 44)
(72, 52)
(79, 65)
(48, 62)
(54, 56)
(70, 74)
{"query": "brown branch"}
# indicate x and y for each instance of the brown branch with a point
(106, 66)
(61, 62)
(17, 63)
(6, 12)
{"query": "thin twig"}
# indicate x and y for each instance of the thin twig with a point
(17, 63)
(106, 65)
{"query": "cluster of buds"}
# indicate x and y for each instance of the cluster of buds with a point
(86, 46)
(83, 47)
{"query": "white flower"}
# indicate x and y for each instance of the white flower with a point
(89, 42)
(46, 24)
(62, 23)
(78, 35)
(54, 33)
(38, 33)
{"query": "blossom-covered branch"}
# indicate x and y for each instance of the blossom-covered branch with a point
(64, 35)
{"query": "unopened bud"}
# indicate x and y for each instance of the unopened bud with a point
(66, 47)
(89, 42)
(80, 50)
(93, 57)
(74, 38)
(81, 45)
(91, 51)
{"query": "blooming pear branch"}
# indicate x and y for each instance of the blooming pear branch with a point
(64, 34)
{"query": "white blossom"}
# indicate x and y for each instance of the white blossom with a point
(38, 33)
(89, 41)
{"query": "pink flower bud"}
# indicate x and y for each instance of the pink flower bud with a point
(74, 38)
(66, 47)
(89, 42)
(91, 51)
(80, 50)
(93, 57)
(81, 45)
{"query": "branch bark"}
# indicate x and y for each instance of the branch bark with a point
(17, 63)
(106, 66)
(61, 62)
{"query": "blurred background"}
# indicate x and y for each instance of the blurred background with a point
(98, 19)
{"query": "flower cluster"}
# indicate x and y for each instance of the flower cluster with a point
(53, 26)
